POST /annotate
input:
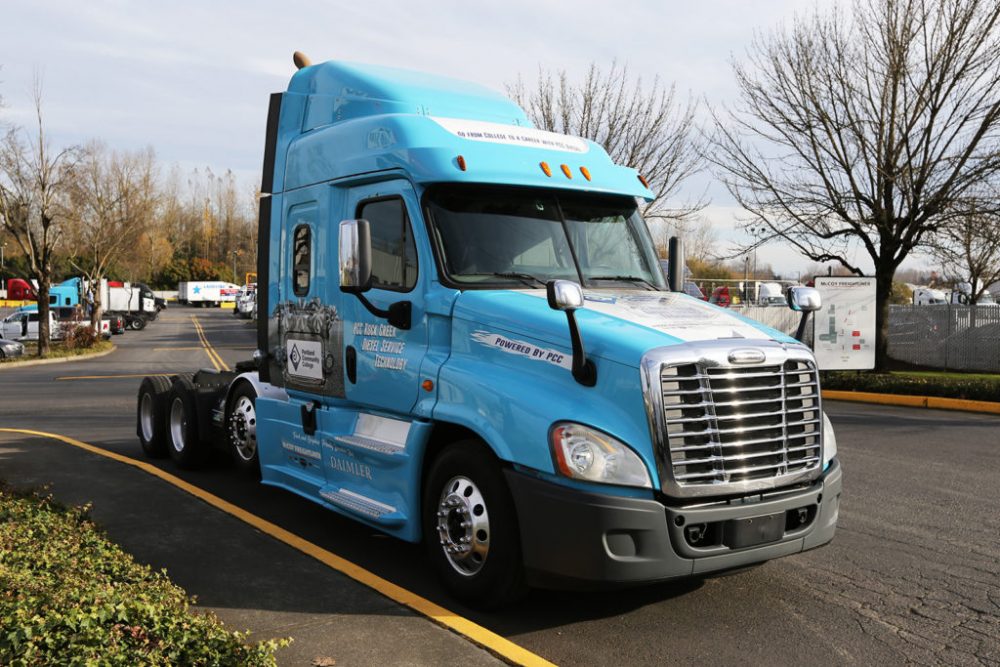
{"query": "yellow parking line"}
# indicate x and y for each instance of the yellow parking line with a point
(217, 361)
(112, 377)
(473, 631)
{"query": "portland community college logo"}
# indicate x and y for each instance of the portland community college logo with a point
(295, 357)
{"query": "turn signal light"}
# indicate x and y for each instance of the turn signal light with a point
(545, 168)
(428, 385)
(642, 179)
(566, 170)
(461, 162)
(585, 172)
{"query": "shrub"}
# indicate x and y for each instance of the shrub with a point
(69, 596)
(886, 383)
(80, 337)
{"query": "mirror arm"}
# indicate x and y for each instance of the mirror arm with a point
(584, 370)
(801, 331)
(398, 314)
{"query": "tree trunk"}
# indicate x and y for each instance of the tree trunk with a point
(44, 282)
(96, 308)
(883, 292)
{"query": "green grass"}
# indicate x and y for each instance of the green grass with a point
(69, 596)
(57, 351)
(991, 377)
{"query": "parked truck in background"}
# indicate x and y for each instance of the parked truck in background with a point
(134, 303)
(926, 296)
(22, 325)
(465, 340)
(19, 289)
(246, 300)
(207, 292)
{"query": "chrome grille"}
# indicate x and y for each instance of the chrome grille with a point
(726, 428)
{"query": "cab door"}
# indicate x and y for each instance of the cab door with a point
(383, 360)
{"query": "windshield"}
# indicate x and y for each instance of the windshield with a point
(489, 236)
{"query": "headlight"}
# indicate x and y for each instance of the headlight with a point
(829, 441)
(584, 453)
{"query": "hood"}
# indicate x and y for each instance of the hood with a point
(619, 326)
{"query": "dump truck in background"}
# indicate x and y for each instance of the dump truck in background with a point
(465, 339)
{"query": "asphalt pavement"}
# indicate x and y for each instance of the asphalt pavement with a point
(913, 574)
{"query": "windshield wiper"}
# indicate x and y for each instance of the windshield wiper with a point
(525, 278)
(631, 279)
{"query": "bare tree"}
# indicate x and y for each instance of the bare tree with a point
(858, 132)
(969, 252)
(113, 198)
(33, 184)
(645, 128)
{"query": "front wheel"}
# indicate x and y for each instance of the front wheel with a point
(470, 527)
(241, 429)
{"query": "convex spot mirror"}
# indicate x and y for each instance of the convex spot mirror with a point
(355, 256)
(564, 295)
(804, 299)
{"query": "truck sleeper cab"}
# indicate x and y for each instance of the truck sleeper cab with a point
(465, 339)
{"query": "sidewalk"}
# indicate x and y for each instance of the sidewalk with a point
(250, 580)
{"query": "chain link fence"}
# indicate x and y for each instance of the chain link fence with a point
(781, 318)
(950, 337)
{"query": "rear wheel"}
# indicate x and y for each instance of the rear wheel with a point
(241, 428)
(184, 447)
(139, 323)
(151, 416)
(470, 527)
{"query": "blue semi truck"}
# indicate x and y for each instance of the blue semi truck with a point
(465, 340)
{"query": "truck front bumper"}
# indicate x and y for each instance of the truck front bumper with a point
(576, 539)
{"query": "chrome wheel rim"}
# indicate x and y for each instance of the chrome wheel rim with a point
(146, 417)
(243, 429)
(463, 525)
(178, 422)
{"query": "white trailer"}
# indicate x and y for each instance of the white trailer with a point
(207, 292)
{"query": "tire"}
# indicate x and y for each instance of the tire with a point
(241, 429)
(150, 419)
(139, 323)
(479, 564)
(184, 444)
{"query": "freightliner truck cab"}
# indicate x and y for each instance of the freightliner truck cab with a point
(465, 339)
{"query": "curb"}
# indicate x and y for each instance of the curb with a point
(933, 402)
(60, 360)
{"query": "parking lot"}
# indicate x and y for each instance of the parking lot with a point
(912, 576)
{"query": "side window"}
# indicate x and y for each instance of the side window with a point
(301, 259)
(394, 255)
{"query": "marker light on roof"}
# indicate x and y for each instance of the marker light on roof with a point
(566, 170)
(585, 172)
(461, 162)
(642, 179)
(545, 168)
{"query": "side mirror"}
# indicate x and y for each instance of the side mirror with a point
(804, 299)
(567, 296)
(564, 295)
(355, 256)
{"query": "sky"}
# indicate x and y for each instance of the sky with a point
(192, 79)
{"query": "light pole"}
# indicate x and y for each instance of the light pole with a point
(235, 254)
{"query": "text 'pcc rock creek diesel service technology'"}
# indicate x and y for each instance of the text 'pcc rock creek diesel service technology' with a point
(465, 339)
